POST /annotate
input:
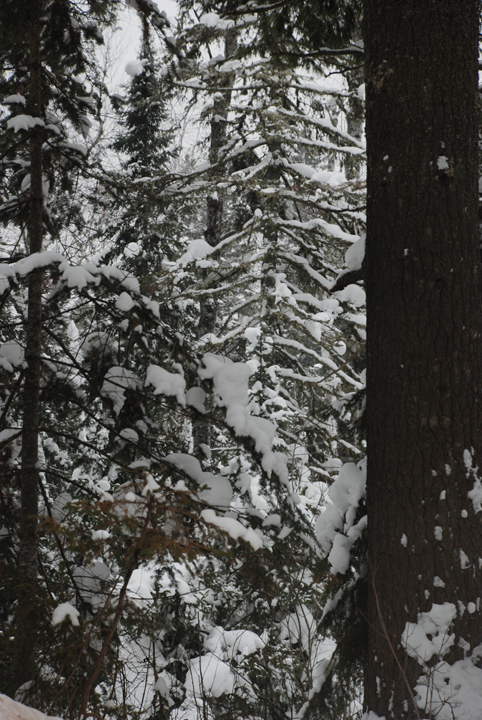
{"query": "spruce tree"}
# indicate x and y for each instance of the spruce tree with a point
(32, 30)
(176, 585)
(145, 224)
(276, 264)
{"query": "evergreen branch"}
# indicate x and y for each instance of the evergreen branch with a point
(323, 52)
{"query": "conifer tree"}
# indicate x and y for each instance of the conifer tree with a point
(175, 585)
(145, 226)
(274, 254)
(32, 30)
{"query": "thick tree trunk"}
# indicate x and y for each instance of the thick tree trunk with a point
(24, 669)
(424, 334)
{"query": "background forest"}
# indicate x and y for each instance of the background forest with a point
(182, 362)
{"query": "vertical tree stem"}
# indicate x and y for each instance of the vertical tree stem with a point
(424, 363)
(27, 559)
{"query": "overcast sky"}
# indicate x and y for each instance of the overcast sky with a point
(122, 44)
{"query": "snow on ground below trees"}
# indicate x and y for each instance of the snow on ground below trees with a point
(11, 710)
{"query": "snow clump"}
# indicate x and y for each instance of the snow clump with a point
(135, 67)
(166, 383)
(64, 611)
(230, 380)
(116, 381)
(336, 529)
(355, 254)
(435, 623)
(217, 492)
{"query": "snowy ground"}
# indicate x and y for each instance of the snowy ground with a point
(11, 710)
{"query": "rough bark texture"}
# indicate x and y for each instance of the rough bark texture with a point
(24, 666)
(424, 327)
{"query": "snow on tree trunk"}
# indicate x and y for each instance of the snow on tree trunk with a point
(424, 362)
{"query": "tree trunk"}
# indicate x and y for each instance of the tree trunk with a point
(208, 307)
(24, 662)
(424, 326)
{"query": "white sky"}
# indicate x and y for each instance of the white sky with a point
(122, 44)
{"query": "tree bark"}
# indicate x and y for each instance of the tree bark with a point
(424, 329)
(24, 660)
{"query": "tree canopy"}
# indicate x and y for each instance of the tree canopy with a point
(184, 422)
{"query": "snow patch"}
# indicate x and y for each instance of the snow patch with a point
(217, 492)
(24, 122)
(12, 710)
(129, 434)
(116, 381)
(166, 383)
(89, 580)
(442, 162)
(11, 355)
(64, 611)
(335, 529)
(229, 644)
(355, 254)
(124, 302)
(135, 67)
(434, 623)
(212, 20)
(339, 557)
(476, 493)
(195, 397)
(452, 692)
(234, 528)
(230, 381)
(209, 676)
(11, 99)
(196, 250)
(100, 535)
